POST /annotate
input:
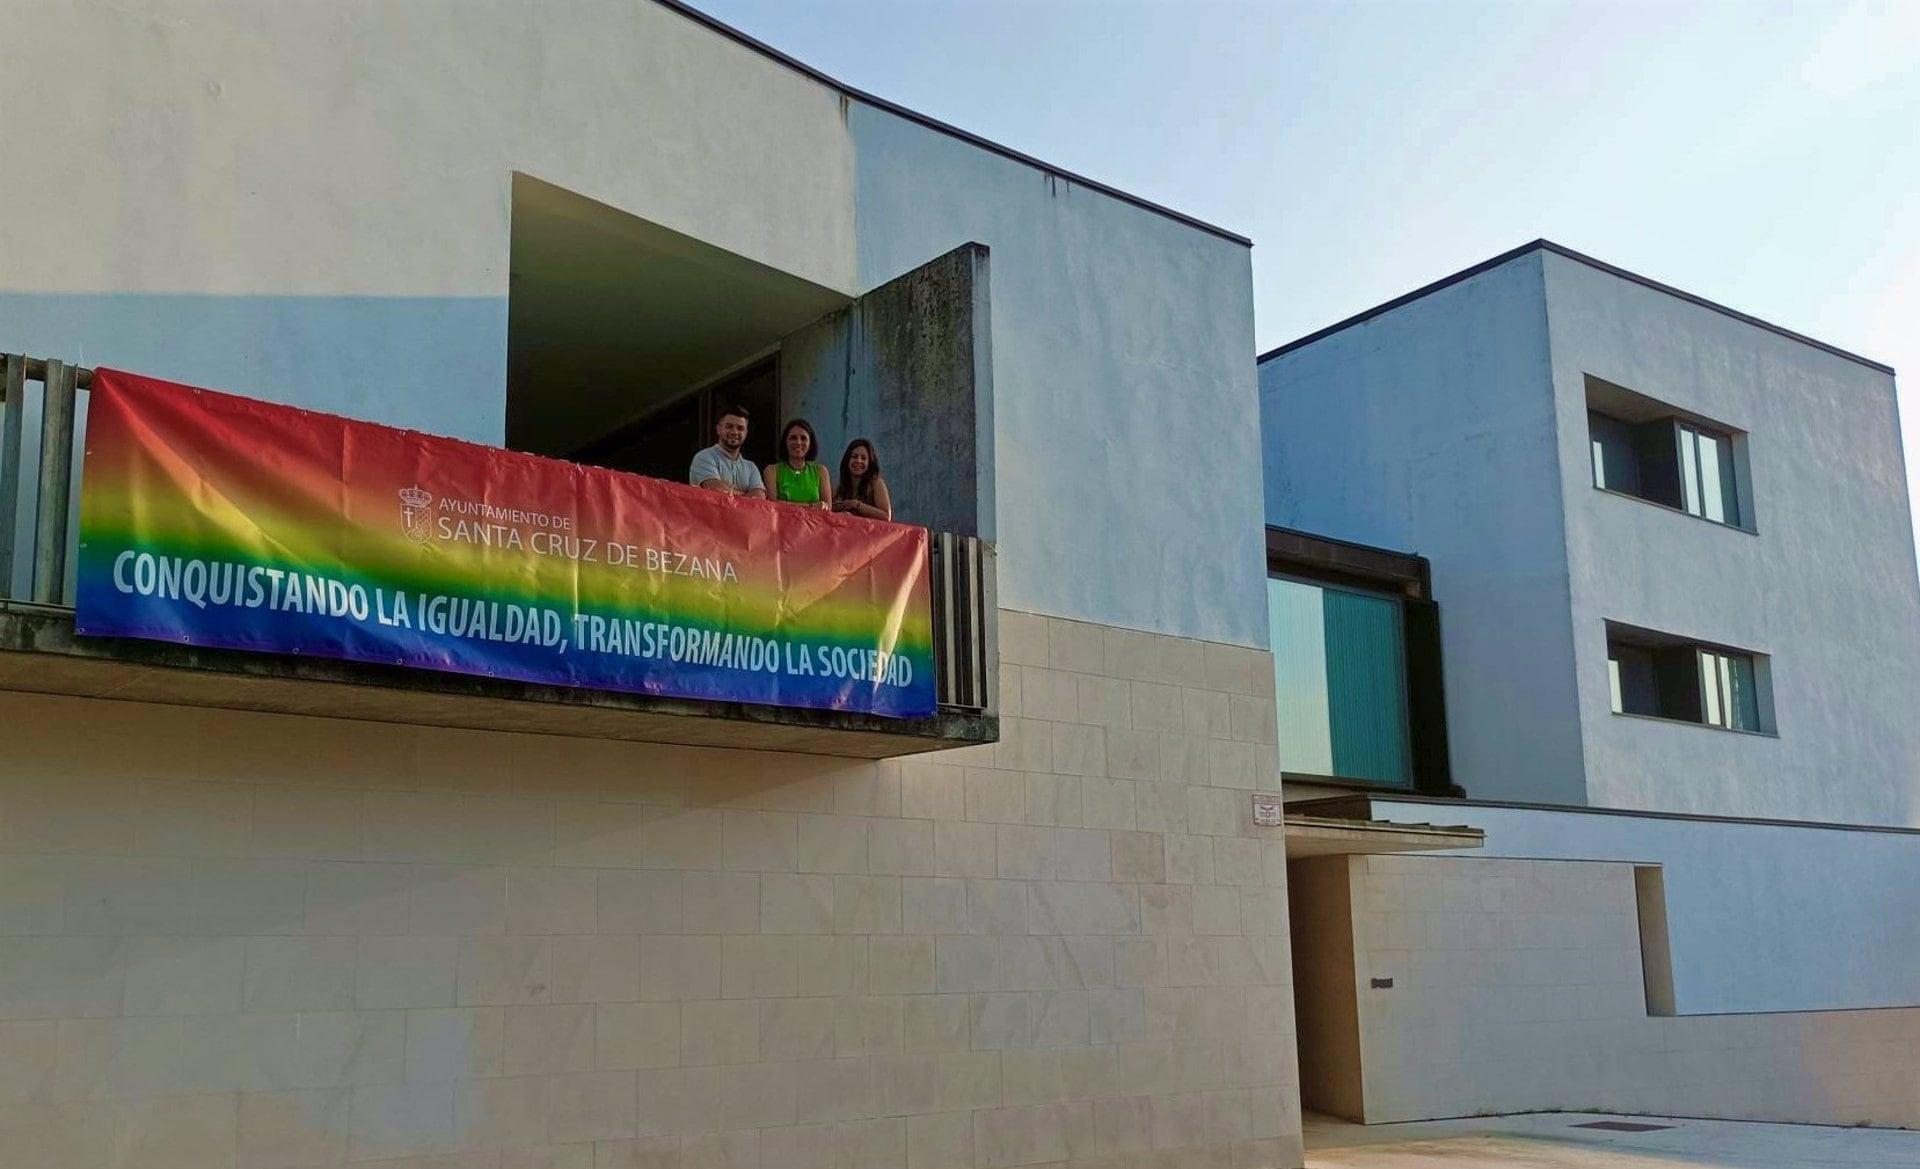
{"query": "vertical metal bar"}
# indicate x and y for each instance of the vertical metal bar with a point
(989, 608)
(962, 624)
(949, 667)
(970, 587)
(13, 407)
(56, 478)
(942, 692)
(962, 631)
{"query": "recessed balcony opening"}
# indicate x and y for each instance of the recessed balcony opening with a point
(620, 331)
(626, 339)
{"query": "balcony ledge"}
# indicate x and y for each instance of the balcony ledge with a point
(39, 653)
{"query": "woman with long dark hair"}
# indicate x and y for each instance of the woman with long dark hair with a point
(796, 478)
(862, 490)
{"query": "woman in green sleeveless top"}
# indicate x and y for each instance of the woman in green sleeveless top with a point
(797, 478)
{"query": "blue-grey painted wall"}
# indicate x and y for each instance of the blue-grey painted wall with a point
(1126, 458)
(1761, 917)
(1431, 429)
(1825, 585)
(437, 364)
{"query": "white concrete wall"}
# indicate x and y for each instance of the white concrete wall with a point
(1127, 469)
(309, 203)
(1516, 987)
(1430, 429)
(1827, 586)
(1763, 917)
(267, 941)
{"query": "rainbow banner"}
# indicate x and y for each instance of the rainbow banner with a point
(223, 521)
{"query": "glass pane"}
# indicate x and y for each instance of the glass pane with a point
(1689, 472)
(1712, 502)
(1297, 632)
(1366, 686)
(1615, 464)
(1710, 688)
(1630, 670)
(1743, 696)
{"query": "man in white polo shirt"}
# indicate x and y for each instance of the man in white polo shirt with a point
(720, 467)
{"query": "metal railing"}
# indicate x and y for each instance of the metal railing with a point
(36, 542)
(38, 532)
(965, 618)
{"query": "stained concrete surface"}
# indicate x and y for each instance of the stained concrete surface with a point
(1552, 1141)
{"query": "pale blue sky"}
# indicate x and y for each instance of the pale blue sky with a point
(1766, 156)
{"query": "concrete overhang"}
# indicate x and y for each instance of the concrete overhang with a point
(40, 654)
(611, 316)
(1309, 835)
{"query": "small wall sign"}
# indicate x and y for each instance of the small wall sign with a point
(1267, 811)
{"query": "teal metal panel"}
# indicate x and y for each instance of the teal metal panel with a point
(1366, 686)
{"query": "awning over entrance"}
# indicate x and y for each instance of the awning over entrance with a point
(1309, 835)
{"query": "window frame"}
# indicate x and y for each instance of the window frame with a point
(1408, 762)
(1710, 670)
(1695, 492)
(1323, 562)
(1644, 449)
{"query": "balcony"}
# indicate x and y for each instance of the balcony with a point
(43, 410)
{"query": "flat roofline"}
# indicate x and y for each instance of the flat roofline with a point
(1546, 245)
(935, 124)
(1397, 797)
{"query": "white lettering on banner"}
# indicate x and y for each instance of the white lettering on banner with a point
(680, 644)
(492, 526)
(224, 583)
(507, 515)
(203, 583)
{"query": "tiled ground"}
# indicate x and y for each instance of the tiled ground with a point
(1552, 1141)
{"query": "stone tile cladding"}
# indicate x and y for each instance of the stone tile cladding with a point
(1518, 988)
(270, 942)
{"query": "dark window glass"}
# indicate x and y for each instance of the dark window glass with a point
(1615, 466)
(1667, 461)
(1649, 674)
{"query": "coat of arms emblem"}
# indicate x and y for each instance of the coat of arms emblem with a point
(416, 512)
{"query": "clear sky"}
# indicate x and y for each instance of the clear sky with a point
(1766, 156)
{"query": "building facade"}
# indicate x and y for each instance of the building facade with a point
(416, 933)
(1681, 633)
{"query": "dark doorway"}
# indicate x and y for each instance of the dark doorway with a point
(663, 442)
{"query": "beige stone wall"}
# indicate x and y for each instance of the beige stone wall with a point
(267, 941)
(1517, 987)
